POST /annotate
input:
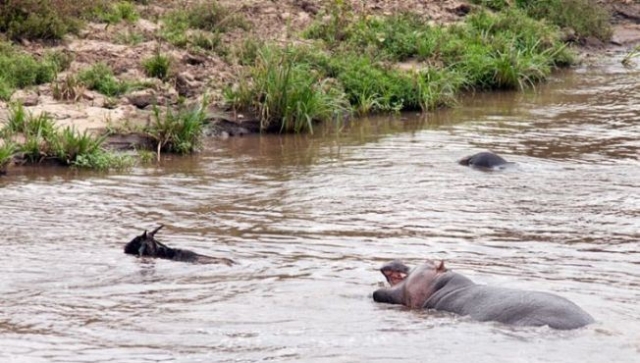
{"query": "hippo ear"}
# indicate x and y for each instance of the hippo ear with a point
(440, 267)
(144, 235)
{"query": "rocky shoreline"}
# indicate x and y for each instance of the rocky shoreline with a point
(194, 75)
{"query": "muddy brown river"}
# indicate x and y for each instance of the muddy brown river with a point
(310, 219)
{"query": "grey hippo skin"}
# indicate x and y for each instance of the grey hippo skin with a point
(146, 245)
(484, 160)
(432, 286)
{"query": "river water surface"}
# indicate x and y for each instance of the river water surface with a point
(310, 219)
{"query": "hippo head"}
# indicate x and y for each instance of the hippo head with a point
(465, 161)
(144, 244)
(395, 271)
(411, 289)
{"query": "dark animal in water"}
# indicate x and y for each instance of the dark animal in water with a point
(484, 160)
(146, 245)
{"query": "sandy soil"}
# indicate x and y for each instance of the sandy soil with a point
(196, 74)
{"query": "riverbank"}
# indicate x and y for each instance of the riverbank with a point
(135, 58)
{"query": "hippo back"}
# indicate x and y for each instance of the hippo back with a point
(511, 306)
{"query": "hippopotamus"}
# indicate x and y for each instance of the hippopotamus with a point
(432, 286)
(146, 245)
(485, 160)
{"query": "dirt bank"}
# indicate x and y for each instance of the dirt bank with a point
(194, 73)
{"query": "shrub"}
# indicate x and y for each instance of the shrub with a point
(157, 66)
(336, 29)
(116, 12)
(7, 149)
(42, 141)
(68, 89)
(18, 70)
(178, 132)
(17, 119)
(103, 160)
(205, 16)
(68, 144)
(586, 17)
(505, 50)
(129, 37)
(47, 20)
(100, 78)
(289, 95)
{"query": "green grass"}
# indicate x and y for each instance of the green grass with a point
(103, 160)
(157, 66)
(129, 37)
(146, 156)
(46, 20)
(586, 17)
(357, 63)
(17, 119)
(503, 50)
(7, 149)
(178, 131)
(20, 70)
(67, 89)
(288, 94)
(210, 18)
(68, 144)
(100, 78)
(42, 141)
(116, 12)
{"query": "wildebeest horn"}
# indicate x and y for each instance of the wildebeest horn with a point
(155, 230)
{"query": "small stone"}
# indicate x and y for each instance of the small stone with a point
(26, 98)
(88, 95)
(193, 59)
(302, 16)
(186, 85)
(142, 98)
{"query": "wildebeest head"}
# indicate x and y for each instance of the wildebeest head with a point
(144, 244)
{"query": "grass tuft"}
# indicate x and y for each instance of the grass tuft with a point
(7, 150)
(207, 17)
(288, 94)
(100, 78)
(586, 17)
(42, 141)
(116, 12)
(67, 89)
(178, 131)
(157, 66)
(47, 20)
(19, 70)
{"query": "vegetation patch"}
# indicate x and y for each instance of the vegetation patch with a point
(586, 17)
(7, 149)
(67, 89)
(100, 78)
(394, 63)
(288, 93)
(19, 70)
(116, 12)
(503, 50)
(178, 131)
(40, 141)
(157, 66)
(47, 20)
(208, 18)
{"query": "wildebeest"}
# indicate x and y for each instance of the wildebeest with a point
(146, 245)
